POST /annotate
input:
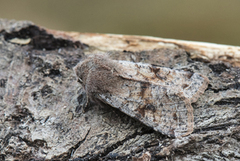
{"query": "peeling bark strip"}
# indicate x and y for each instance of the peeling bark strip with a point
(157, 96)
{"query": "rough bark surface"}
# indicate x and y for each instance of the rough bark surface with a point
(41, 115)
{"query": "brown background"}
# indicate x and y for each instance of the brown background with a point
(199, 20)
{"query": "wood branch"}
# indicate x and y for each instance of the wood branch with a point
(41, 115)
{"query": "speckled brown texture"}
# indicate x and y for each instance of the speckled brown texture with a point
(39, 97)
(157, 96)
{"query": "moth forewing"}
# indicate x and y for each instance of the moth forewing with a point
(157, 96)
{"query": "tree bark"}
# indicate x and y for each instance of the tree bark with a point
(41, 102)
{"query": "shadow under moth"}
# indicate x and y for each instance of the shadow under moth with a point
(159, 97)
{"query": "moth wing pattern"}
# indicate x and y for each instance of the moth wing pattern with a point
(157, 96)
(160, 111)
(191, 84)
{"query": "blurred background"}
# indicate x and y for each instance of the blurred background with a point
(215, 21)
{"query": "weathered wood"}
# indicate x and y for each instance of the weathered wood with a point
(41, 101)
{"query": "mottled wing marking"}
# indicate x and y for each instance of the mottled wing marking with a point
(168, 114)
(191, 84)
(159, 97)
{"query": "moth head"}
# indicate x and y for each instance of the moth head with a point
(87, 68)
(82, 70)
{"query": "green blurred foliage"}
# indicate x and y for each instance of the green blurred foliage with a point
(199, 20)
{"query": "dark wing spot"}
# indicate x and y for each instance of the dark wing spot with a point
(137, 66)
(185, 86)
(138, 116)
(175, 116)
(141, 112)
(151, 107)
(155, 69)
(189, 75)
(160, 77)
(144, 86)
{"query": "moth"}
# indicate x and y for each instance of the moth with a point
(159, 97)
